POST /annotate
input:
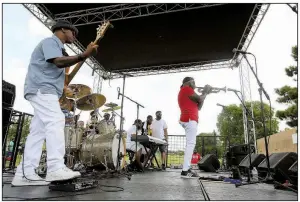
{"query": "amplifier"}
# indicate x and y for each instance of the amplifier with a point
(8, 94)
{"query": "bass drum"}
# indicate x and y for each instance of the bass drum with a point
(104, 150)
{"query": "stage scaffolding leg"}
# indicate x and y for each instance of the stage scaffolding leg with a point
(247, 97)
(97, 86)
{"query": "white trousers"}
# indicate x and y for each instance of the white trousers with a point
(190, 133)
(47, 124)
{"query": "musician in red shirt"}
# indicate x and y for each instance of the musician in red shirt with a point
(190, 103)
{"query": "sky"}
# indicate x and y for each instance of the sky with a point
(272, 46)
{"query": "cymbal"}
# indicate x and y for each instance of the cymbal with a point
(111, 109)
(91, 102)
(79, 89)
(111, 105)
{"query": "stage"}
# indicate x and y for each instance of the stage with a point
(153, 185)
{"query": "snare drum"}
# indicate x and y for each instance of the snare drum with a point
(73, 139)
(104, 150)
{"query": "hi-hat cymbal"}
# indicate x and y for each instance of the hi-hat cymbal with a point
(111, 109)
(91, 102)
(111, 105)
(79, 90)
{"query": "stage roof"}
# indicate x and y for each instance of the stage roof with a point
(143, 39)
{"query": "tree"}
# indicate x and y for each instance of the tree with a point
(289, 95)
(230, 122)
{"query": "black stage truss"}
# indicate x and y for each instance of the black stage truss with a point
(151, 39)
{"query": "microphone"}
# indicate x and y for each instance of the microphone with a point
(239, 51)
(233, 90)
(220, 105)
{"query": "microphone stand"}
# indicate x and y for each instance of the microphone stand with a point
(121, 124)
(261, 90)
(248, 136)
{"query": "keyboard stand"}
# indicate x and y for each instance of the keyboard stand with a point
(153, 148)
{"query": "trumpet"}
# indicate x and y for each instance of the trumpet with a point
(214, 90)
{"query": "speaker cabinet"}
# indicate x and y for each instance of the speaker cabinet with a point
(279, 165)
(293, 173)
(237, 153)
(8, 94)
(256, 159)
(209, 163)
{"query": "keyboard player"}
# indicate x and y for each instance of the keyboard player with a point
(136, 128)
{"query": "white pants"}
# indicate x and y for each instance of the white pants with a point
(47, 124)
(190, 133)
(132, 147)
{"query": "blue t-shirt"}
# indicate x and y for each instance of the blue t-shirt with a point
(42, 74)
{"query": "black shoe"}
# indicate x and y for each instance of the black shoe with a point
(189, 174)
(163, 167)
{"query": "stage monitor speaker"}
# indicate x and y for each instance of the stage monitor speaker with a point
(293, 173)
(209, 163)
(241, 149)
(279, 165)
(8, 94)
(6, 118)
(256, 159)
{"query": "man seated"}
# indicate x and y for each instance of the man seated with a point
(160, 130)
(136, 129)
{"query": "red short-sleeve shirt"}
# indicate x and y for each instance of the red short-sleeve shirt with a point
(188, 108)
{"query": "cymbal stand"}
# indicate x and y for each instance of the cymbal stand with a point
(248, 114)
(93, 133)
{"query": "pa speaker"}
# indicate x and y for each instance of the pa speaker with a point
(256, 159)
(209, 163)
(8, 94)
(279, 165)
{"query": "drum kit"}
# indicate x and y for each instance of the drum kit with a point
(100, 146)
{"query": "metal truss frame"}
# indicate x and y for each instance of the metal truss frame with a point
(45, 16)
(123, 11)
(254, 22)
(172, 68)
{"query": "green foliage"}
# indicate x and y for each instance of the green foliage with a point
(289, 95)
(12, 132)
(230, 122)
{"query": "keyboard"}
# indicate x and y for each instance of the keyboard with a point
(146, 139)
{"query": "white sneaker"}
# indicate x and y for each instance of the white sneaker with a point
(32, 180)
(61, 175)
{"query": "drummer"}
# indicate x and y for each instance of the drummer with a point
(92, 123)
(106, 118)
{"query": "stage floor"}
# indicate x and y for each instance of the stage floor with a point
(153, 185)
